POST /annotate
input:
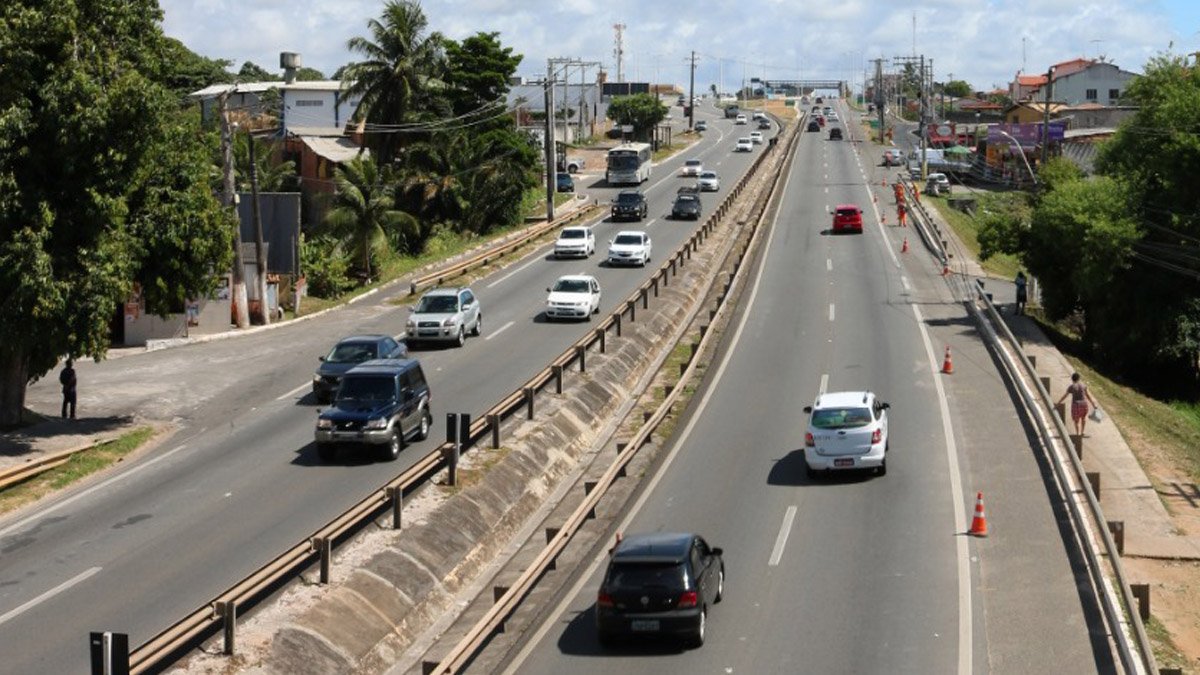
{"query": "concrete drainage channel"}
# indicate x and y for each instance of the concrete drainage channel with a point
(389, 590)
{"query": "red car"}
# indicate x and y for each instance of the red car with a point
(820, 120)
(847, 218)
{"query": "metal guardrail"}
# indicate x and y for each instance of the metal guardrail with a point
(221, 612)
(1144, 656)
(461, 654)
(22, 472)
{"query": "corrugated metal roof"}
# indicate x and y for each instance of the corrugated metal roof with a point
(259, 87)
(337, 150)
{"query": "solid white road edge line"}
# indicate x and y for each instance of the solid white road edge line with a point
(540, 633)
(12, 614)
(781, 540)
(499, 330)
(824, 383)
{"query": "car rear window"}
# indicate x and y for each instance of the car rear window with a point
(841, 418)
(847, 213)
(646, 575)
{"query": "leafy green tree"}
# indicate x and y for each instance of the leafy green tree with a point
(477, 75)
(957, 88)
(102, 183)
(363, 212)
(325, 267)
(273, 175)
(643, 111)
(504, 169)
(430, 184)
(394, 80)
(252, 72)
(309, 75)
(183, 71)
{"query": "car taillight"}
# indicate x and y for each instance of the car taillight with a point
(604, 599)
(688, 599)
(809, 442)
(876, 436)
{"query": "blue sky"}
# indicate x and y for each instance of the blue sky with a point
(976, 40)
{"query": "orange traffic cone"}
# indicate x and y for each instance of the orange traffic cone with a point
(947, 364)
(979, 522)
(904, 248)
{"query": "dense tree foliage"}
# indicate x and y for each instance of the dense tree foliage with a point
(252, 72)
(103, 183)
(957, 88)
(477, 75)
(364, 213)
(643, 111)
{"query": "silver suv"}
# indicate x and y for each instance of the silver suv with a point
(445, 315)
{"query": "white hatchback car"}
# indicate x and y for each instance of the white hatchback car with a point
(740, 119)
(693, 167)
(709, 181)
(630, 247)
(846, 430)
(577, 242)
(744, 144)
(574, 296)
(756, 137)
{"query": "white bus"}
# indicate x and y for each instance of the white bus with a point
(628, 163)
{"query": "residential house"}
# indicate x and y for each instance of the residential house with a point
(1023, 86)
(1030, 112)
(1074, 82)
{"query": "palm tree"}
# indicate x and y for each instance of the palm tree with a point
(364, 213)
(394, 80)
(273, 176)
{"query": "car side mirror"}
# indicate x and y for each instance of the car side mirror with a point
(321, 358)
(717, 551)
(547, 289)
(808, 409)
(885, 406)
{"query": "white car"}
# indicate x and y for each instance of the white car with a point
(744, 144)
(740, 119)
(759, 115)
(756, 137)
(575, 296)
(575, 242)
(709, 181)
(846, 430)
(630, 247)
(693, 167)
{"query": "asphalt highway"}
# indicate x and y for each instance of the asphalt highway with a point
(855, 573)
(141, 546)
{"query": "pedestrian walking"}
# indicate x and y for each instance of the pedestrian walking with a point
(1080, 396)
(1020, 284)
(67, 379)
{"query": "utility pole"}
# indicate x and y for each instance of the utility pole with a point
(228, 200)
(260, 254)
(1046, 117)
(880, 98)
(551, 155)
(619, 50)
(692, 95)
(922, 127)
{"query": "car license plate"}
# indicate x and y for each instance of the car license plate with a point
(644, 625)
(843, 462)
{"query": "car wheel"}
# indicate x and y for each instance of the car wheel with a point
(326, 452)
(605, 639)
(478, 329)
(391, 451)
(812, 473)
(423, 428)
(462, 336)
(720, 586)
(697, 637)
(882, 470)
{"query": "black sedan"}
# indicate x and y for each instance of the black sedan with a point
(659, 584)
(347, 353)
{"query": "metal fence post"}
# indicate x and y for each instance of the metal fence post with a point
(494, 423)
(529, 400)
(557, 370)
(581, 353)
(227, 610)
(395, 495)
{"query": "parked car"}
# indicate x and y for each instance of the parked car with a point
(659, 584)
(740, 119)
(687, 204)
(847, 218)
(846, 430)
(629, 247)
(575, 296)
(709, 181)
(572, 164)
(575, 242)
(692, 167)
(744, 144)
(813, 125)
(381, 405)
(893, 157)
(630, 205)
(756, 137)
(347, 353)
(835, 133)
(445, 315)
(565, 182)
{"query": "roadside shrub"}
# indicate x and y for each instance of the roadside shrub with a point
(325, 267)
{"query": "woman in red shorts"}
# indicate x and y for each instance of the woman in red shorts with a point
(1080, 396)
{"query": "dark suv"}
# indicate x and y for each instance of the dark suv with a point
(380, 404)
(659, 584)
(630, 204)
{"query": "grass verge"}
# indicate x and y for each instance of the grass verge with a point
(967, 229)
(1166, 654)
(81, 465)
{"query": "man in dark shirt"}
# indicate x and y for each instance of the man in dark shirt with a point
(67, 379)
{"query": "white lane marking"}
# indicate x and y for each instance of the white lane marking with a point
(958, 506)
(682, 439)
(499, 330)
(14, 613)
(824, 383)
(826, 190)
(97, 487)
(904, 282)
(513, 273)
(829, 264)
(781, 540)
(293, 392)
(831, 311)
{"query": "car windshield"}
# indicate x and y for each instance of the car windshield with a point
(572, 234)
(351, 352)
(847, 213)
(683, 199)
(437, 304)
(708, 175)
(841, 418)
(646, 575)
(629, 239)
(628, 198)
(571, 286)
(366, 389)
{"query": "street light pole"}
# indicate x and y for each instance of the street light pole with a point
(1022, 150)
